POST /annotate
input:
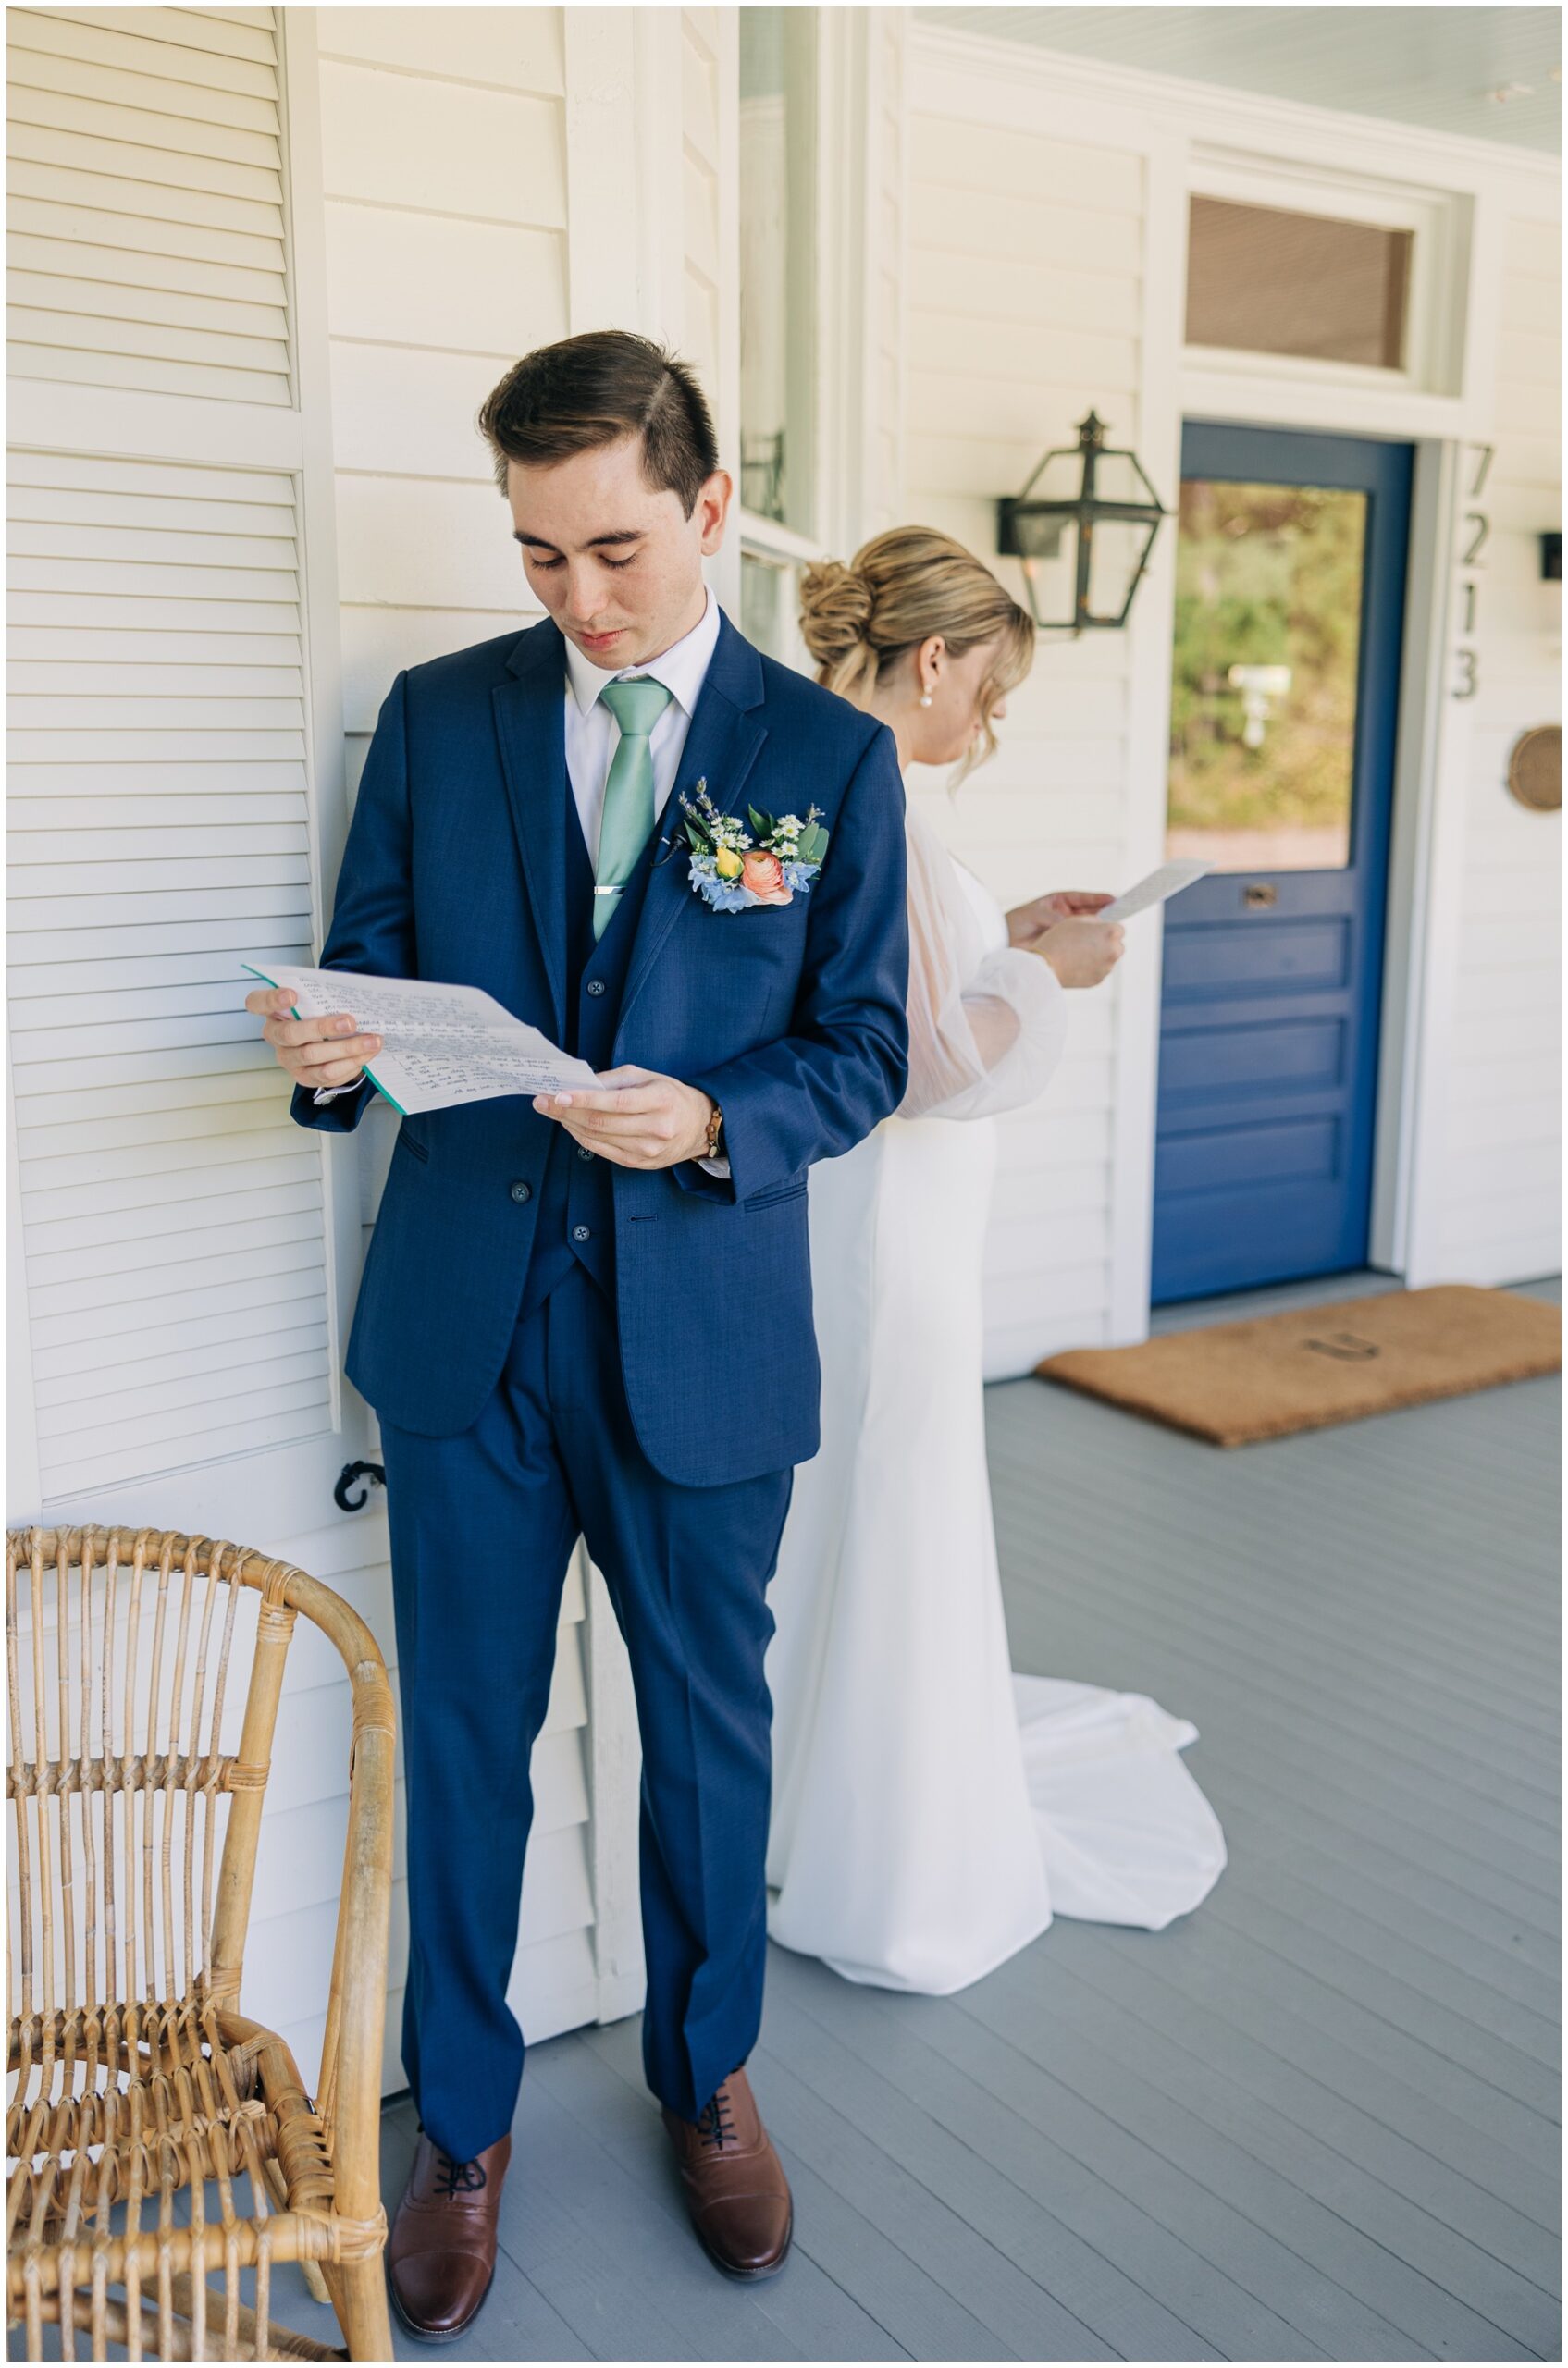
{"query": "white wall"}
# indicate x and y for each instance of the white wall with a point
(1024, 307)
(1500, 1189)
(445, 205)
(469, 197)
(480, 179)
(492, 179)
(1042, 273)
(318, 318)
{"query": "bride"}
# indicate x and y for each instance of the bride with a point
(930, 1811)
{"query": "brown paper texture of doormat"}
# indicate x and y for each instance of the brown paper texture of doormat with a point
(1231, 1383)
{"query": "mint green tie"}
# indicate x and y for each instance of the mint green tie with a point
(628, 793)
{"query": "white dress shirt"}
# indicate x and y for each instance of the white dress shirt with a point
(593, 735)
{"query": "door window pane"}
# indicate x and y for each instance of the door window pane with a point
(1268, 600)
(777, 72)
(1263, 280)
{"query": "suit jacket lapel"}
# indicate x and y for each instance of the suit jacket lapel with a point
(721, 745)
(531, 731)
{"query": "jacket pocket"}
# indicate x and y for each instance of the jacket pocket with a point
(775, 1194)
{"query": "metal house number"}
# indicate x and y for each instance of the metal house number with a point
(1477, 526)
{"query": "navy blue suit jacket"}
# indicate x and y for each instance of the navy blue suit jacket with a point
(791, 1017)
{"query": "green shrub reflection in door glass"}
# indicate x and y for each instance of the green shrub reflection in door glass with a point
(1268, 600)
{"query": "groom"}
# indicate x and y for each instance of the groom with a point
(592, 1315)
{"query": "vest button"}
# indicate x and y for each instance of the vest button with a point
(595, 986)
(580, 1233)
(522, 1192)
(583, 1151)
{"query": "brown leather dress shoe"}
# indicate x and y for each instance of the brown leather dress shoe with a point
(441, 2252)
(736, 2193)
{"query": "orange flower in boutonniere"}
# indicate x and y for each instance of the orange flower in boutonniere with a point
(763, 874)
(734, 868)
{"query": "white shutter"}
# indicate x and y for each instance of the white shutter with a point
(176, 1257)
(146, 201)
(179, 1234)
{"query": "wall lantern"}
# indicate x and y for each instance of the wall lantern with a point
(1104, 513)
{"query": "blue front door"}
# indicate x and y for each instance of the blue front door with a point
(1285, 698)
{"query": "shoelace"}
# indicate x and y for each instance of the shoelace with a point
(453, 2179)
(713, 2125)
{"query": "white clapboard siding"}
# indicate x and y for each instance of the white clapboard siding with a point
(434, 287)
(146, 203)
(1002, 356)
(446, 234)
(1501, 1175)
(172, 1215)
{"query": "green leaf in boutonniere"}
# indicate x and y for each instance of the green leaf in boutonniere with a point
(761, 824)
(812, 843)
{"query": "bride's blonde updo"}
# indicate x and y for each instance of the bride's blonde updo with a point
(859, 622)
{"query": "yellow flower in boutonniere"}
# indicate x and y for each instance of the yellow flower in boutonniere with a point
(727, 863)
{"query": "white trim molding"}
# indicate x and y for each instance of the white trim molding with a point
(1151, 630)
(1426, 878)
(1423, 911)
(306, 220)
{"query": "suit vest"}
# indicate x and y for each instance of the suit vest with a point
(576, 1218)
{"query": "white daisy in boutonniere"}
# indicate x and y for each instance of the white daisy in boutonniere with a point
(733, 869)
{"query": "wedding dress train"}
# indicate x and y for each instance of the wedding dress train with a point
(931, 1810)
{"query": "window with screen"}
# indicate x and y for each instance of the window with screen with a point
(1263, 280)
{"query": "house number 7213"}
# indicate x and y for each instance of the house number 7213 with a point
(1477, 526)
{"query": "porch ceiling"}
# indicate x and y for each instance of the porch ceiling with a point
(1436, 68)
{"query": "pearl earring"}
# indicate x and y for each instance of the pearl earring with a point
(925, 699)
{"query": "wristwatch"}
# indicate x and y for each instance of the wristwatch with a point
(715, 1129)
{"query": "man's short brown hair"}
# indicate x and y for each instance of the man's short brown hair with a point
(591, 390)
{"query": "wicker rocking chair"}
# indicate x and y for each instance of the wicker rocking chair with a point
(139, 2086)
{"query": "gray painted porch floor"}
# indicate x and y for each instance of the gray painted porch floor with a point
(1316, 2119)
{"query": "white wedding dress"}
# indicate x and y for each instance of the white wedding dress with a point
(931, 1810)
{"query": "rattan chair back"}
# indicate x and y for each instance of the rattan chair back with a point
(144, 1673)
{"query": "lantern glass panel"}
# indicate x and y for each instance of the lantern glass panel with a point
(1269, 605)
(1115, 479)
(1050, 582)
(1061, 479)
(1114, 549)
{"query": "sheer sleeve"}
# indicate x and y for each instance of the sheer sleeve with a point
(987, 1022)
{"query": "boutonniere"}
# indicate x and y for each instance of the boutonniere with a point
(733, 869)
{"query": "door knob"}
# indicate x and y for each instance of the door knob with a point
(1258, 894)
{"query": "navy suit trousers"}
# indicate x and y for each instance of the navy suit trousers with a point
(483, 1524)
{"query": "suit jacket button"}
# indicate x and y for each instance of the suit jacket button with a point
(522, 1192)
(595, 986)
(583, 1151)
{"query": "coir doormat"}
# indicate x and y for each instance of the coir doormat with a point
(1230, 1383)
